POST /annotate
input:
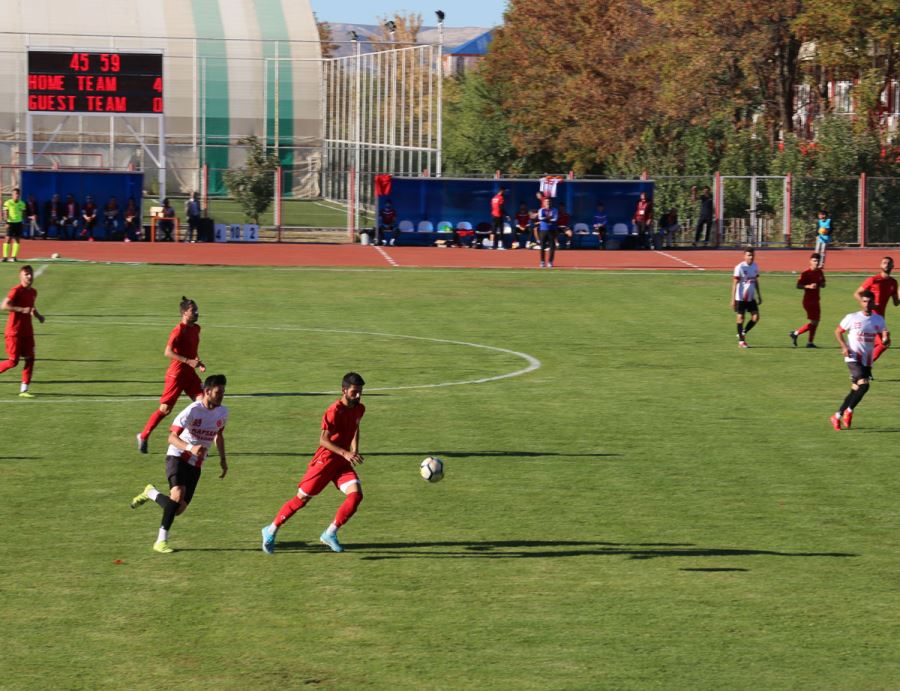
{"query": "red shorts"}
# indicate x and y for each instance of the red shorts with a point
(320, 472)
(813, 310)
(18, 347)
(188, 382)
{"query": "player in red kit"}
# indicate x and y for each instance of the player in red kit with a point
(333, 462)
(498, 216)
(19, 333)
(182, 350)
(884, 287)
(810, 282)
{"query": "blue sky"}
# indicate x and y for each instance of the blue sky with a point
(460, 13)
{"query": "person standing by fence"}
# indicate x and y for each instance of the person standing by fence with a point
(707, 211)
(823, 234)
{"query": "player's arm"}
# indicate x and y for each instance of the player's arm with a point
(349, 454)
(839, 335)
(7, 306)
(179, 443)
(886, 337)
(734, 283)
(220, 447)
(864, 286)
(190, 362)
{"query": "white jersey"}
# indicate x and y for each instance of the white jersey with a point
(548, 185)
(861, 331)
(199, 425)
(745, 288)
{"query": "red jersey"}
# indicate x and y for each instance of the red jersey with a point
(184, 340)
(388, 216)
(564, 219)
(19, 325)
(644, 211)
(816, 276)
(342, 424)
(883, 289)
(523, 218)
(497, 202)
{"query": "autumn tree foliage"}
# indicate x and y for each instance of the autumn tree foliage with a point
(571, 79)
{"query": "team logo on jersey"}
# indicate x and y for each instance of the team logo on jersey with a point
(218, 423)
(197, 423)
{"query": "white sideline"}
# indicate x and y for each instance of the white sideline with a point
(674, 258)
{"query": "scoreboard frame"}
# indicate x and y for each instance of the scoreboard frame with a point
(95, 82)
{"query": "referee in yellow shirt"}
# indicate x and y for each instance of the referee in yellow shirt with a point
(13, 213)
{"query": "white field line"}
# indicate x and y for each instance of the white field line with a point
(387, 257)
(532, 363)
(677, 259)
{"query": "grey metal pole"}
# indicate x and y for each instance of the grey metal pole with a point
(440, 95)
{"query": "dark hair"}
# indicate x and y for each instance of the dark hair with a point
(186, 304)
(749, 249)
(867, 294)
(816, 256)
(27, 268)
(352, 379)
(214, 380)
(16, 189)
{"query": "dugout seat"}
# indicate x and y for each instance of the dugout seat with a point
(406, 227)
(425, 227)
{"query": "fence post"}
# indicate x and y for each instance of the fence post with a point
(717, 206)
(788, 190)
(351, 201)
(277, 201)
(861, 214)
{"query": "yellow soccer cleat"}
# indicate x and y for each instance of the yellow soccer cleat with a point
(162, 547)
(142, 498)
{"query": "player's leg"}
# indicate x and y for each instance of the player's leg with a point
(27, 352)
(739, 313)
(880, 347)
(317, 476)
(183, 479)
(6, 245)
(167, 401)
(349, 484)
(754, 319)
(12, 349)
(552, 249)
(544, 243)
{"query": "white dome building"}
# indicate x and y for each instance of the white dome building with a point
(231, 68)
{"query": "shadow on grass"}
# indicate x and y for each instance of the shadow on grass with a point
(99, 381)
(444, 454)
(54, 359)
(543, 549)
(21, 458)
(711, 570)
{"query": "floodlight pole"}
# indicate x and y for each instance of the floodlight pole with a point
(357, 152)
(440, 92)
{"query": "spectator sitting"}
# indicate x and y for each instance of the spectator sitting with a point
(33, 217)
(386, 224)
(166, 222)
(523, 226)
(564, 226)
(89, 218)
(72, 218)
(600, 222)
(132, 221)
(111, 219)
(54, 215)
(668, 227)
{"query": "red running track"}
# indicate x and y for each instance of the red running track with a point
(345, 255)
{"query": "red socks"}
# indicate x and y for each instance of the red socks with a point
(348, 508)
(157, 417)
(289, 509)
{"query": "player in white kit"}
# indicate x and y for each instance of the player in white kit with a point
(746, 295)
(859, 352)
(193, 431)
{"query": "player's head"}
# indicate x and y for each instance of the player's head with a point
(16, 193)
(545, 202)
(214, 390)
(26, 275)
(351, 388)
(814, 260)
(749, 254)
(887, 264)
(189, 310)
(867, 299)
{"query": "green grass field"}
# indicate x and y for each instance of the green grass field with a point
(650, 508)
(296, 213)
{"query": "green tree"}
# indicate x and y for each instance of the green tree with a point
(253, 185)
(476, 130)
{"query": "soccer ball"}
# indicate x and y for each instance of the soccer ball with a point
(432, 469)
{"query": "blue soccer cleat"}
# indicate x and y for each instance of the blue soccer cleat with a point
(268, 540)
(331, 542)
